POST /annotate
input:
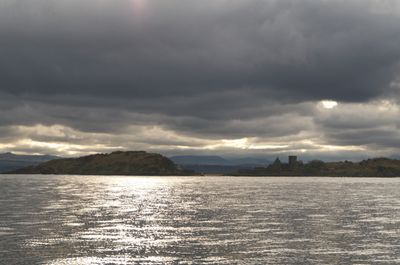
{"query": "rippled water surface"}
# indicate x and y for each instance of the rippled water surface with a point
(198, 220)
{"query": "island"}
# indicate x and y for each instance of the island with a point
(376, 167)
(116, 163)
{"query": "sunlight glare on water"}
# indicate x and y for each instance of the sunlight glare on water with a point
(61, 220)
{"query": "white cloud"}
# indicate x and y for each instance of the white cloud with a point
(328, 104)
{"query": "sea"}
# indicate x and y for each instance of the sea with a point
(61, 220)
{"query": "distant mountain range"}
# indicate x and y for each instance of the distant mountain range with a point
(217, 164)
(10, 161)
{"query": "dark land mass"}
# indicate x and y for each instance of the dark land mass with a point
(377, 167)
(116, 163)
(10, 161)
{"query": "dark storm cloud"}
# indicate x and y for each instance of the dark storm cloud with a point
(209, 69)
(298, 50)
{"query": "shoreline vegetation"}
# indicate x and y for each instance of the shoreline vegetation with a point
(376, 167)
(141, 163)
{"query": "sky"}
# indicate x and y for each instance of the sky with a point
(316, 78)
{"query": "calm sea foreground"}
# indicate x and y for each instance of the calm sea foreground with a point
(198, 220)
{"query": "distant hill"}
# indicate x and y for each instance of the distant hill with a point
(214, 169)
(377, 167)
(10, 161)
(199, 160)
(217, 164)
(250, 161)
(116, 163)
(217, 160)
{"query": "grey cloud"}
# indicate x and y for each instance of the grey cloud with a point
(207, 70)
(373, 137)
(373, 125)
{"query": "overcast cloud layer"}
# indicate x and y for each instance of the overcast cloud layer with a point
(234, 77)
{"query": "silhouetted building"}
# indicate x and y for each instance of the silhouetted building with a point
(292, 162)
(277, 165)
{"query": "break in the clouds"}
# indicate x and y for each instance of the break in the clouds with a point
(243, 77)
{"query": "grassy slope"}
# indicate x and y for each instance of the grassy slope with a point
(116, 163)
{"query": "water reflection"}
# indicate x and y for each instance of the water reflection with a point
(132, 220)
